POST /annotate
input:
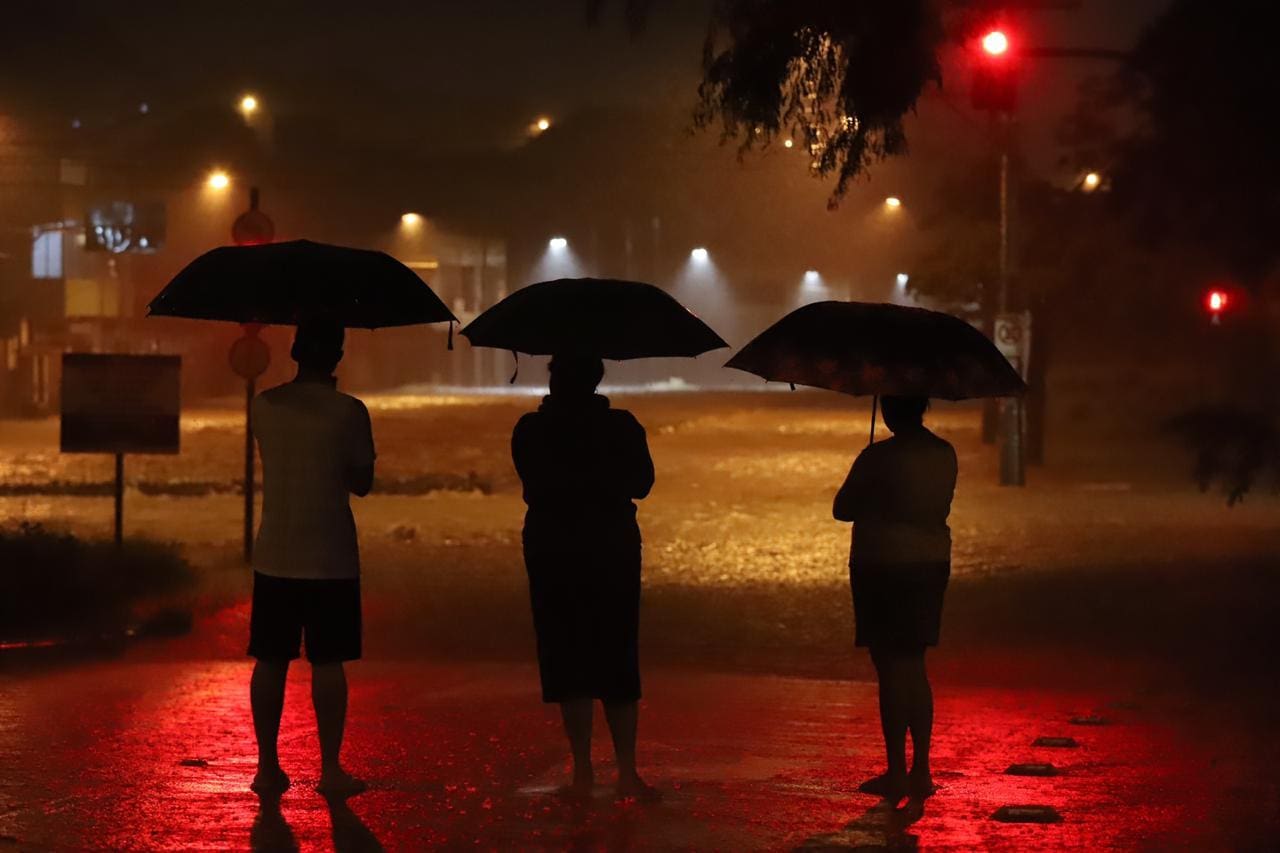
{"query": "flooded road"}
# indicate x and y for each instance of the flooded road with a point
(1109, 586)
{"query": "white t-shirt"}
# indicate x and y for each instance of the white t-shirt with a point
(311, 436)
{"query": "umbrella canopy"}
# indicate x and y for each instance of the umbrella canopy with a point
(281, 283)
(864, 348)
(590, 316)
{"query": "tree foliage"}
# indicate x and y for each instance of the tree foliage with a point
(1201, 164)
(837, 76)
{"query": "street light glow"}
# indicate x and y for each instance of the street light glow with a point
(543, 123)
(811, 277)
(248, 105)
(1091, 181)
(787, 143)
(699, 254)
(218, 180)
(995, 43)
(557, 244)
(902, 279)
(893, 202)
(410, 219)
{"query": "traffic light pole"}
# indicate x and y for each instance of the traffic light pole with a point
(1013, 467)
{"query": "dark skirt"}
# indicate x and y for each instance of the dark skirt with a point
(898, 606)
(586, 614)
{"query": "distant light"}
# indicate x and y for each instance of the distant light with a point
(218, 180)
(144, 108)
(995, 43)
(410, 219)
(787, 143)
(902, 279)
(811, 277)
(893, 202)
(543, 123)
(1091, 181)
(557, 244)
(248, 105)
(700, 255)
(143, 242)
(1216, 301)
(75, 124)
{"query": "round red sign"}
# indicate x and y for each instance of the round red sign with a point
(250, 356)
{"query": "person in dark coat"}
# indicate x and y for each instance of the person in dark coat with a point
(582, 464)
(898, 496)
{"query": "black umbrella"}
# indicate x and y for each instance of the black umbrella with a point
(282, 283)
(590, 316)
(863, 348)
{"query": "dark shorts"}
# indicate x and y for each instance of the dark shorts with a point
(327, 612)
(897, 607)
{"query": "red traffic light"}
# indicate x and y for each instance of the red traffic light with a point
(995, 43)
(1216, 301)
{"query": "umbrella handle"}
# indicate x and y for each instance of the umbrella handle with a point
(450, 336)
(516, 356)
(875, 404)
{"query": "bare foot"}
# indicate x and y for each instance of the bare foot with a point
(340, 783)
(270, 780)
(920, 785)
(635, 788)
(892, 788)
(580, 788)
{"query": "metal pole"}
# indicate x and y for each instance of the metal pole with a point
(119, 499)
(1012, 467)
(248, 469)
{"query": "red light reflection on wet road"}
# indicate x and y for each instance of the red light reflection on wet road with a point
(464, 755)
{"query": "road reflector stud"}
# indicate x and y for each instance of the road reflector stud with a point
(1032, 770)
(1027, 814)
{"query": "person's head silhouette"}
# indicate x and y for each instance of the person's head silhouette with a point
(575, 375)
(903, 413)
(317, 345)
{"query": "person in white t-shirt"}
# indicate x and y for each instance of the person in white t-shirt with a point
(316, 445)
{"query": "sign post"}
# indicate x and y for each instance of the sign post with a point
(1013, 339)
(250, 355)
(249, 358)
(120, 404)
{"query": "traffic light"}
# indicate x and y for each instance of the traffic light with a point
(995, 86)
(1215, 302)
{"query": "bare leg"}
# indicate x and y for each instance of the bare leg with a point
(920, 723)
(266, 699)
(623, 718)
(577, 714)
(894, 705)
(329, 697)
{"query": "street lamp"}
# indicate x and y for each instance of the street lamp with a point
(893, 202)
(557, 244)
(699, 254)
(902, 279)
(788, 143)
(218, 180)
(248, 105)
(410, 219)
(1091, 182)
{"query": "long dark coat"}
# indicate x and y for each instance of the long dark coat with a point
(582, 464)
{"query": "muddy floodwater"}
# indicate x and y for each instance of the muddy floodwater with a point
(1108, 590)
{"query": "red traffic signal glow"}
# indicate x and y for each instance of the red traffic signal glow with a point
(995, 43)
(1216, 301)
